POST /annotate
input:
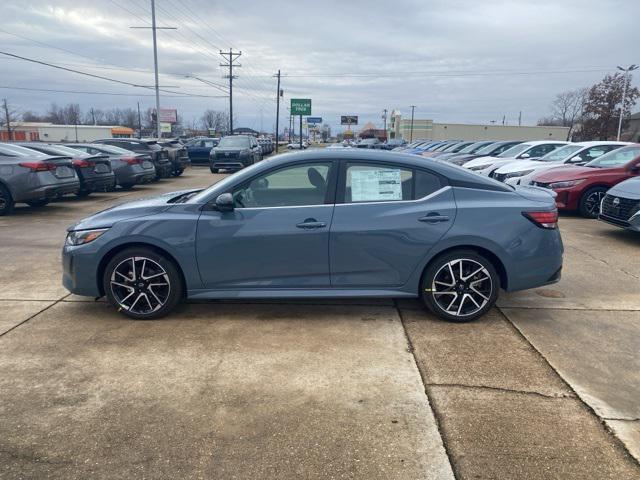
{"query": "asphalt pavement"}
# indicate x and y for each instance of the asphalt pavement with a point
(545, 386)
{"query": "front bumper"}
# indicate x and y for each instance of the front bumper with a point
(78, 265)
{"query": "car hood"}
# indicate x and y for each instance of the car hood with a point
(228, 150)
(126, 211)
(628, 189)
(568, 173)
(476, 162)
(522, 165)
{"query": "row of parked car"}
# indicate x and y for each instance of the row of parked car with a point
(37, 172)
(581, 174)
(199, 148)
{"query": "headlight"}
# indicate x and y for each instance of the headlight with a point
(80, 237)
(521, 173)
(478, 167)
(567, 184)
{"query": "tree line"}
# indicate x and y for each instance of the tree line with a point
(593, 113)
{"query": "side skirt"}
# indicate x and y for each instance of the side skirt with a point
(299, 293)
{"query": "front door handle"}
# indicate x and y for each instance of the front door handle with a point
(434, 217)
(310, 224)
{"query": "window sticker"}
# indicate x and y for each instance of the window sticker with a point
(376, 185)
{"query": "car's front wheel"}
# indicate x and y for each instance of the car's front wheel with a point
(38, 203)
(590, 202)
(142, 284)
(460, 286)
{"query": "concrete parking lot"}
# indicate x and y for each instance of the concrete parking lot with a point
(545, 386)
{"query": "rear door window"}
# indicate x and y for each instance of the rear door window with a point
(377, 183)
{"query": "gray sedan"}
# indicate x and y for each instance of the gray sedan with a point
(33, 178)
(130, 168)
(319, 224)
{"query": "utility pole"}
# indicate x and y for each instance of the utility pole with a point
(520, 119)
(93, 116)
(278, 95)
(504, 119)
(627, 72)
(300, 132)
(139, 122)
(230, 57)
(413, 107)
(154, 29)
(7, 117)
(384, 119)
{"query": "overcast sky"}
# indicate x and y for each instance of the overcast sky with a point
(456, 60)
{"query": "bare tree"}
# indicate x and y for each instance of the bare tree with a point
(215, 120)
(568, 108)
(10, 116)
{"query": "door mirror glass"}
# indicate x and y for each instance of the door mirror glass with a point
(224, 202)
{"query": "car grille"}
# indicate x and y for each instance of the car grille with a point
(622, 209)
(225, 155)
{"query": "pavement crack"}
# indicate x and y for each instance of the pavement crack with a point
(34, 315)
(588, 254)
(455, 468)
(500, 389)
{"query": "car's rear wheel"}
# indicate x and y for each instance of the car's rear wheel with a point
(6, 201)
(38, 203)
(214, 170)
(178, 172)
(83, 193)
(127, 186)
(460, 286)
(590, 202)
(142, 284)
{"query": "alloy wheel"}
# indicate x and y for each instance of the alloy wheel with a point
(462, 287)
(592, 202)
(140, 285)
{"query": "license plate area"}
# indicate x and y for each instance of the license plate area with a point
(63, 172)
(102, 168)
(147, 164)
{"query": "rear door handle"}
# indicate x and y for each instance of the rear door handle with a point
(310, 224)
(434, 218)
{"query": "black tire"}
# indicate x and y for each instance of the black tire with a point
(469, 301)
(214, 170)
(169, 296)
(178, 172)
(6, 201)
(38, 203)
(83, 193)
(127, 186)
(589, 205)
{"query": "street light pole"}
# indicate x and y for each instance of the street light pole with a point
(413, 107)
(626, 71)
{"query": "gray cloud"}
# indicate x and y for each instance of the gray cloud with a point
(501, 39)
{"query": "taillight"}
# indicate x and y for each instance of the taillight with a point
(82, 163)
(132, 160)
(543, 219)
(39, 166)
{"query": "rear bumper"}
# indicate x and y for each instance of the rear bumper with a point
(45, 192)
(98, 184)
(164, 169)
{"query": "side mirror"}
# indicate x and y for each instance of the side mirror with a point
(576, 159)
(224, 202)
(525, 155)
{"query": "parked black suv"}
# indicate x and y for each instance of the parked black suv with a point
(178, 154)
(159, 156)
(234, 153)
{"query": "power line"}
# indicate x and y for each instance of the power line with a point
(122, 82)
(9, 87)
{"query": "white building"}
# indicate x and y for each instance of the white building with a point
(48, 132)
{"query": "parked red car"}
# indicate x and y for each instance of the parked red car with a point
(583, 188)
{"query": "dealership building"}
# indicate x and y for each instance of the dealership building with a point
(48, 132)
(400, 127)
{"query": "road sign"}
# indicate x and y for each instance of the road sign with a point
(168, 115)
(349, 120)
(314, 120)
(165, 127)
(300, 106)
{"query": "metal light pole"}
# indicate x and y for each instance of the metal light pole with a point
(413, 107)
(624, 94)
(155, 67)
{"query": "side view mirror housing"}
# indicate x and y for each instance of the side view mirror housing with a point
(224, 202)
(576, 159)
(525, 155)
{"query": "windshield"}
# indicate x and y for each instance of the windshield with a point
(615, 158)
(234, 142)
(514, 151)
(561, 153)
(471, 148)
(62, 150)
(17, 151)
(112, 149)
(224, 183)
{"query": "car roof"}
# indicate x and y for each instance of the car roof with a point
(454, 173)
(543, 142)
